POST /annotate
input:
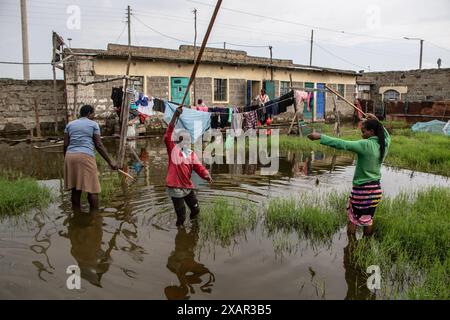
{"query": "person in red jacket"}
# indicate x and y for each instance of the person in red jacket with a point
(182, 161)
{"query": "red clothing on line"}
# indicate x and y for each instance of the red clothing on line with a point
(179, 168)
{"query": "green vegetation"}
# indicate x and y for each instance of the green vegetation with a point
(422, 151)
(223, 220)
(411, 245)
(19, 194)
(312, 217)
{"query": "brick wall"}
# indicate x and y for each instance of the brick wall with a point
(237, 91)
(17, 98)
(158, 87)
(204, 90)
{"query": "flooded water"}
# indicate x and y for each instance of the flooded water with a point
(132, 250)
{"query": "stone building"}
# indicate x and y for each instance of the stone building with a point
(224, 77)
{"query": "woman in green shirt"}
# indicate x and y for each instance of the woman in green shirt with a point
(371, 151)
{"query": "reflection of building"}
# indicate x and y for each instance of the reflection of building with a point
(189, 272)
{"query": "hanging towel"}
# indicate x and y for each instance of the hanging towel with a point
(230, 114)
(188, 120)
(237, 119)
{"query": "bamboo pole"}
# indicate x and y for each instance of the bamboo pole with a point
(202, 48)
(348, 102)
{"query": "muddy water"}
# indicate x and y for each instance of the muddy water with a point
(131, 249)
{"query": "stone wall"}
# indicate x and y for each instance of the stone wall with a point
(421, 85)
(98, 95)
(17, 104)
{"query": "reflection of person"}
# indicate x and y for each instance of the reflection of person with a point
(81, 136)
(355, 278)
(182, 161)
(371, 150)
(182, 263)
(85, 233)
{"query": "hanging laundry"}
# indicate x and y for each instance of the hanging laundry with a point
(116, 97)
(237, 120)
(230, 114)
(250, 119)
(215, 118)
(188, 120)
(223, 116)
(300, 97)
(310, 100)
(285, 101)
(158, 105)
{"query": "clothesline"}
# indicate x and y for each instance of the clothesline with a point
(259, 108)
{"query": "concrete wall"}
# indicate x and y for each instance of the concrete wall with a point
(17, 103)
(414, 85)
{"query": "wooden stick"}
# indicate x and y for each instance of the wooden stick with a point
(348, 102)
(124, 111)
(95, 81)
(202, 48)
(126, 174)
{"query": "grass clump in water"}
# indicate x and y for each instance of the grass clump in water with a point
(19, 193)
(411, 245)
(223, 220)
(311, 217)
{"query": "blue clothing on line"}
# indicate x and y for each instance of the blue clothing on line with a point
(81, 133)
(189, 120)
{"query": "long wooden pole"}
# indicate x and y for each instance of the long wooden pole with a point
(348, 102)
(202, 48)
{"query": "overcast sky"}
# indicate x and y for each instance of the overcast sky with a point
(348, 34)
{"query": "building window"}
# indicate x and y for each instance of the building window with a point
(220, 90)
(391, 95)
(341, 89)
(284, 87)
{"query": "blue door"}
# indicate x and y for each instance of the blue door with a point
(320, 102)
(178, 87)
(249, 93)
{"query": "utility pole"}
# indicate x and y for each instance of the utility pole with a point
(125, 109)
(310, 50)
(195, 48)
(25, 56)
(421, 49)
(224, 45)
(129, 25)
(421, 52)
(271, 64)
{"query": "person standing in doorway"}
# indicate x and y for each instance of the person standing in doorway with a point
(81, 137)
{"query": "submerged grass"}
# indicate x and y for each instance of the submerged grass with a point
(20, 193)
(312, 217)
(420, 151)
(224, 220)
(411, 245)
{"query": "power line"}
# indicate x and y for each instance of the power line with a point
(296, 23)
(159, 32)
(340, 58)
(246, 45)
(22, 63)
(121, 33)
